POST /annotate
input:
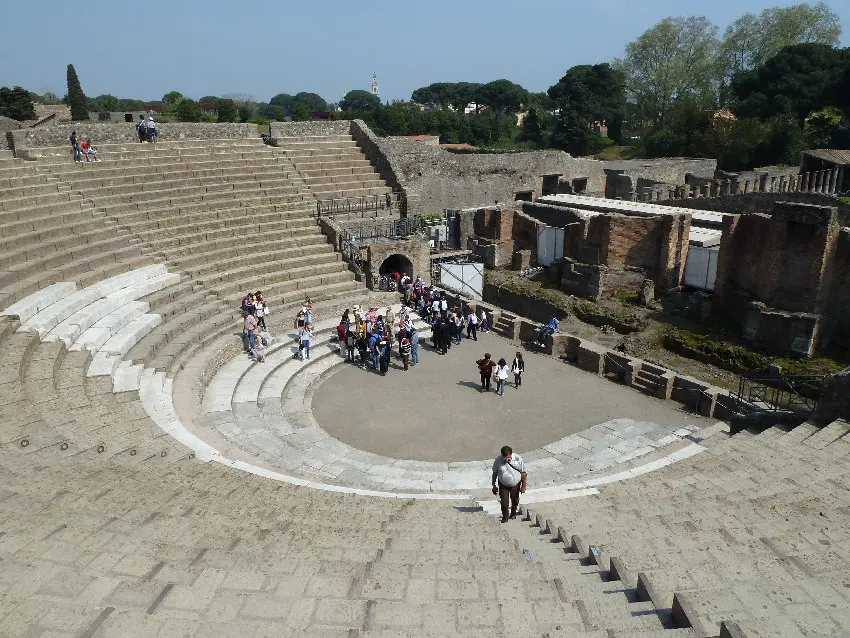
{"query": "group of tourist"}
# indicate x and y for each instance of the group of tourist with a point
(146, 129)
(82, 149)
(372, 334)
(498, 371)
(254, 313)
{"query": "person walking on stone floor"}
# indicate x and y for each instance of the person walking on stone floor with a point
(414, 346)
(404, 349)
(518, 367)
(501, 375)
(509, 481)
(384, 356)
(250, 328)
(306, 336)
(472, 325)
(485, 368)
(350, 344)
(445, 330)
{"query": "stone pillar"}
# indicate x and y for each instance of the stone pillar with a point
(818, 178)
(773, 184)
(804, 183)
(747, 188)
(713, 188)
(734, 187)
(827, 183)
(632, 196)
(704, 191)
(839, 175)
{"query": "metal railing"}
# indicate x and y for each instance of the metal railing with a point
(780, 393)
(351, 240)
(361, 204)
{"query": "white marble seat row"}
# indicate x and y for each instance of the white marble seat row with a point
(105, 318)
(265, 410)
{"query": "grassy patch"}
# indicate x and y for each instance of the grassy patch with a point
(619, 153)
(709, 348)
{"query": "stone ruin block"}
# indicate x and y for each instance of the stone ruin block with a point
(521, 260)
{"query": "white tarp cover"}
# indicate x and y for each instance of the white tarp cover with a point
(467, 278)
(701, 267)
(550, 244)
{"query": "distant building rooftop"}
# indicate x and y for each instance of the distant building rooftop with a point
(833, 155)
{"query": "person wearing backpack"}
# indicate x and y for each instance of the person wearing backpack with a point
(142, 128)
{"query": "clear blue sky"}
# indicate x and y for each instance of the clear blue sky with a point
(261, 48)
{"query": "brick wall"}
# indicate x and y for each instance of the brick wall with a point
(633, 241)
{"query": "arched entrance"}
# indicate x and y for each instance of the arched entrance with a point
(396, 263)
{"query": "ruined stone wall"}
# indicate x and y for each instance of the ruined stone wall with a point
(760, 203)
(124, 132)
(633, 241)
(309, 129)
(626, 176)
(434, 179)
(551, 215)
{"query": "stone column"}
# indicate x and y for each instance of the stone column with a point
(632, 196)
(804, 183)
(773, 184)
(827, 182)
(705, 191)
(818, 178)
(734, 187)
(839, 175)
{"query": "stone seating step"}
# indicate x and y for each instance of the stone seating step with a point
(47, 220)
(275, 270)
(296, 153)
(352, 192)
(55, 154)
(106, 314)
(332, 163)
(143, 168)
(242, 170)
(269, 233)
(216, 219)
(126, 284)
(11, 204)
(345, 181)
(798, 434)
(140, 201)
(223, 207)
(49, 260)
(137, 192)
(18, 192)
(105, 361)
(365, 169)
(235, 250)
(272, 289)
(831, 433)
(249, 225)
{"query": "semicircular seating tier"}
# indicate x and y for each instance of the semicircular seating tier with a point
(119, 519)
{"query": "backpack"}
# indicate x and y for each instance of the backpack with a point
(142, 126)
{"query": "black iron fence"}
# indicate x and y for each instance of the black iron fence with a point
(352, 239)
(781, 393)
(362, 204)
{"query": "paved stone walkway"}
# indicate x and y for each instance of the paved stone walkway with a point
(437, 412)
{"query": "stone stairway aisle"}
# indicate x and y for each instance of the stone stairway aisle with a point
(595, 603)
(753, 533)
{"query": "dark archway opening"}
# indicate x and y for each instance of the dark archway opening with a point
(396, 264)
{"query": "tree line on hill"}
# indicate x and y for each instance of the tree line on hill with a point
(773, 84)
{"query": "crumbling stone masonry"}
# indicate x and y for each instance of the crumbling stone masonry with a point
(785, 277)
(609, 253)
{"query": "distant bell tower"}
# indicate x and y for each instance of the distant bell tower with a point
(375, 90)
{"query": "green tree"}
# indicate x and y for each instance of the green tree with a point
(359, 101)
(301, 113)
(126, 104)
(314, 103)
(530, 129)
(226, 109)
(16, 104)
(825, 128)
(677, 56)
(172, 99)
(284, 101)
(209, 99)
(503, 96)
(752, 40)
(76, 99)
(245, 112)
(587, 94)
(187, 110)
(796, 81)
